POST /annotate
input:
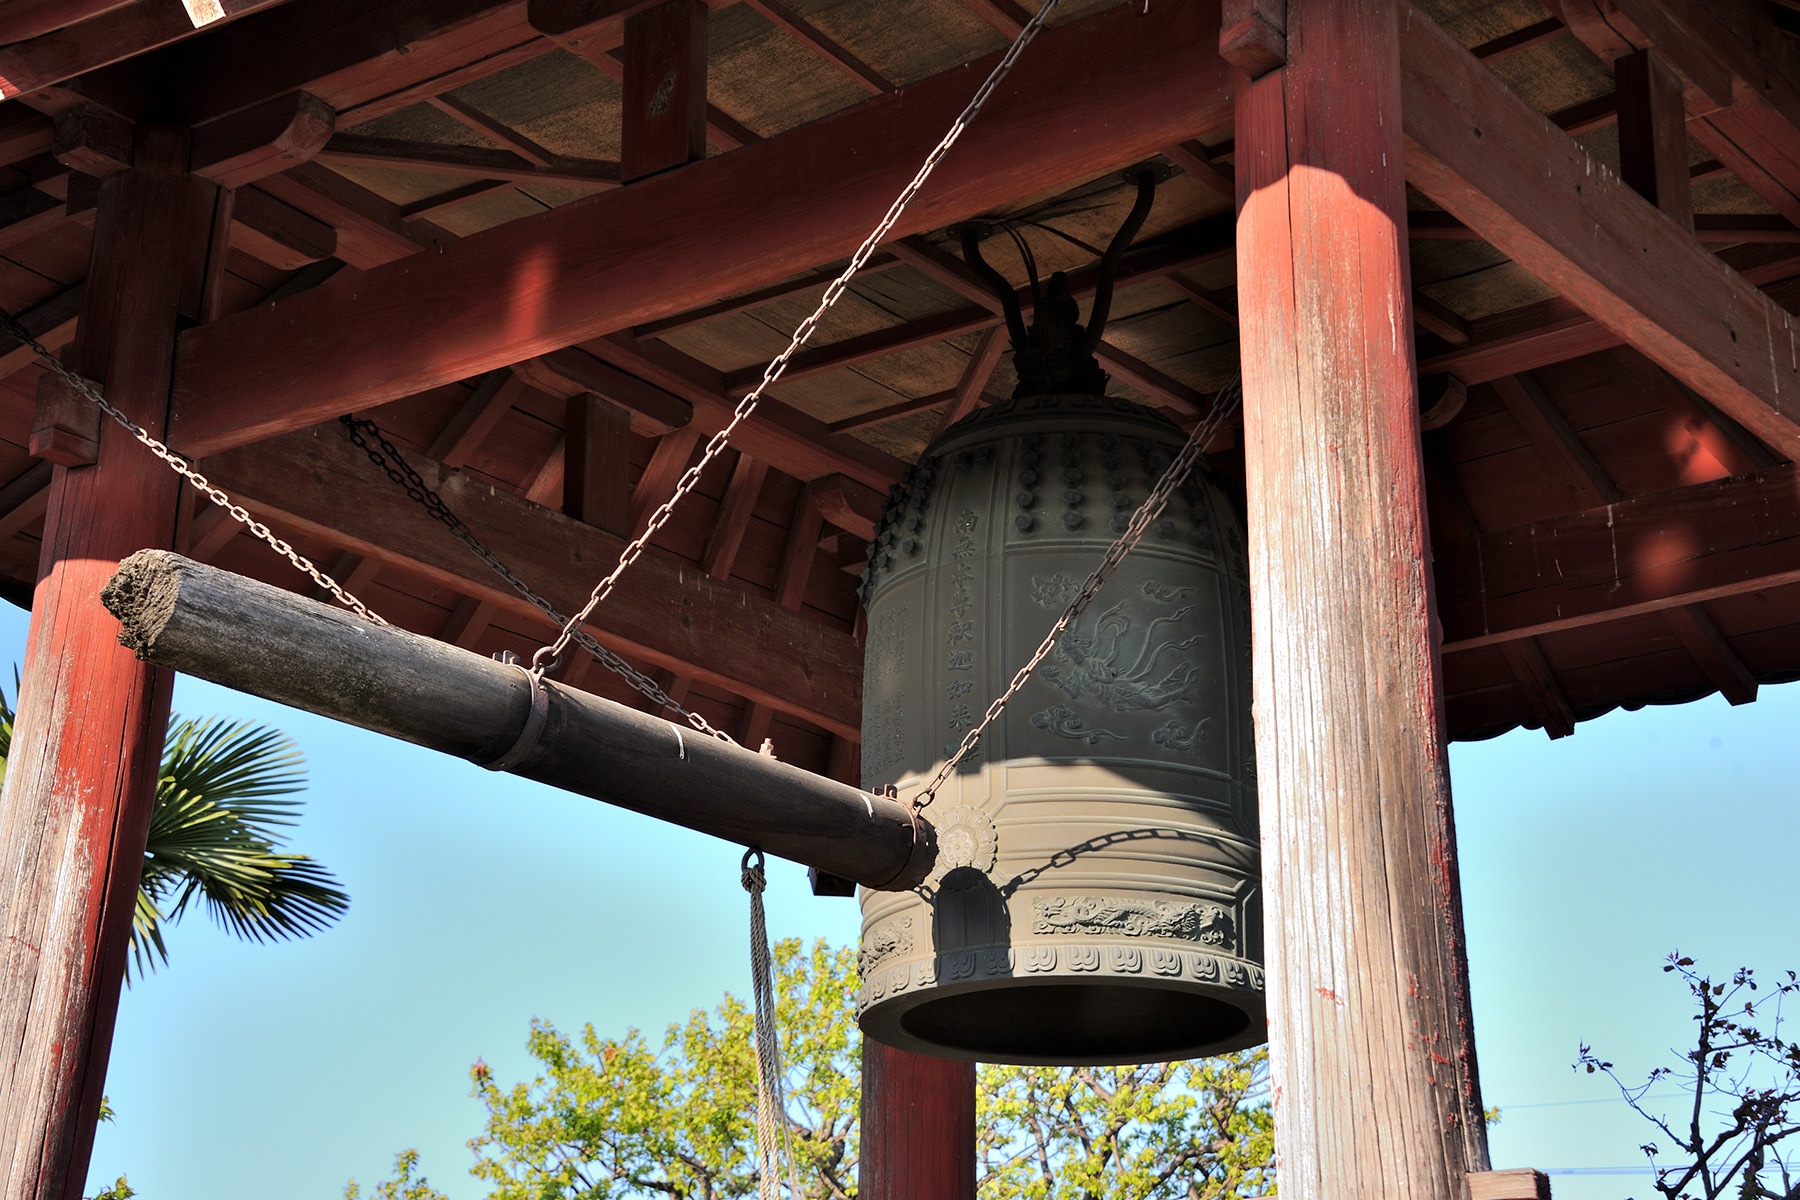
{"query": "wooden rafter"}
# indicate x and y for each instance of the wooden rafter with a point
(1556, 441)
(1538, 682)
(1543, 201)
(471, 162)
(407, 327)
(866, 77)
(1714, 655)
(784, 437)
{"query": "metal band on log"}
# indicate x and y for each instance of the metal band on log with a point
(259, 639)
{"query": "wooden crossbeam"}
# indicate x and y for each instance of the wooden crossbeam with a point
(665, 613)
(371, 229)
(27, 213)
(101, 40)
(24, 500)
(1545, 203)
(629, 257)
(278, 233)
(892, 412)
(1642, 555)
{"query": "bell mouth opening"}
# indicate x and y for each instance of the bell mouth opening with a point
(1076, 1024)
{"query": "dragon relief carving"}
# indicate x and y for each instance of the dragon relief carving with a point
(889, 937)
(1124, 668)
(1112, 916)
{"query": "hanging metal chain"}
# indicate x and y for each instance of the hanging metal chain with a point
(1223, 406)
(387, 456)
(773, 1139)
(802, 333)
(182, 466)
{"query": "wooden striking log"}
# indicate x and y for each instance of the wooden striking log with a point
(1372, 1047)
(918, 1122)
(247, 635)
(75, 810)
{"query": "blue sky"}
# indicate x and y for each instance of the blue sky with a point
(481, 901)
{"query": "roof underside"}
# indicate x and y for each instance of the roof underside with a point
(479, 122)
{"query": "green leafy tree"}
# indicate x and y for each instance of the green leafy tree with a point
(1198, 1130)
(612, 1118)
(401, 1187)
(1739, 1088)
(225, 795)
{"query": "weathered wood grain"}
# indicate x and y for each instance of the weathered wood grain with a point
(75, 808)
(256, 638)
(918, 1126)
(1372, 1047)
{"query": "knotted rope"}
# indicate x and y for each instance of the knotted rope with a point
(773, 1140)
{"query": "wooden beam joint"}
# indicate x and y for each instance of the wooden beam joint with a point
(1253, 36)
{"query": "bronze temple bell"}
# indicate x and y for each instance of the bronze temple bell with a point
(1096, 894)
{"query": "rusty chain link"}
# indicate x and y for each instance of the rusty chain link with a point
(1224, 405)
(182, 466)
(802, 333)
(391, 461)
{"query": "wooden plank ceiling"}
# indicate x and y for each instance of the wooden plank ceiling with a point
(1605, 533)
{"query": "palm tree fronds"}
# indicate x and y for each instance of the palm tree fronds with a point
(224, 798)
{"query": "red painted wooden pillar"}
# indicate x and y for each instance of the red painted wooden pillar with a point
(1372, 1048)
(918, 1126)
(88, 737)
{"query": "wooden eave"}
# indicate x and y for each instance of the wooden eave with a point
(1614, 510)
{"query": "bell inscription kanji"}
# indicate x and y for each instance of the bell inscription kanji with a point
(1096, 893)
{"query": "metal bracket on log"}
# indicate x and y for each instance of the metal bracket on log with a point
(247, 635)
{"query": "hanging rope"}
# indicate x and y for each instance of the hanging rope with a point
(540, 662)
(182, 467)
(773, 1140)
(1224, 405)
